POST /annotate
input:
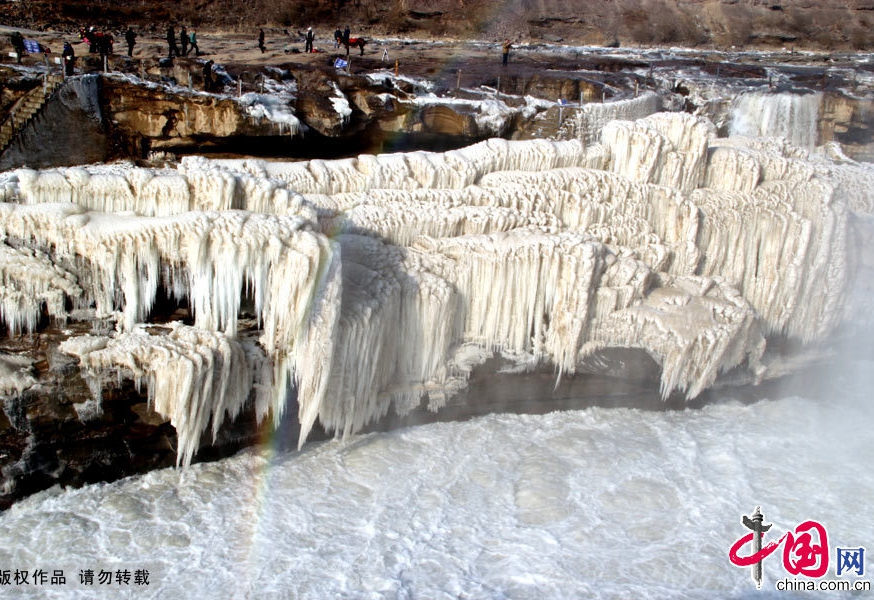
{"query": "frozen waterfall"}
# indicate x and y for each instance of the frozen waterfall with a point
(370, 279)
(785, 115)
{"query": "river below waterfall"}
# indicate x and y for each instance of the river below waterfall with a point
(604, 503)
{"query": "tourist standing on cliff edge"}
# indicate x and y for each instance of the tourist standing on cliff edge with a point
(130, 37)
(69, 58)
(192, 40)
(208, 82)
(172, 48)
(17, 44)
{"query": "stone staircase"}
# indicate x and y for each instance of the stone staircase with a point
(26, 108)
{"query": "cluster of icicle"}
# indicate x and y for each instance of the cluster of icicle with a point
(192, 375)
(151, 192)
(29, 282)
(373, 277)
(118, 262)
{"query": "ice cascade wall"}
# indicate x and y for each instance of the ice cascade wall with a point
(377, 283)
(784, 115)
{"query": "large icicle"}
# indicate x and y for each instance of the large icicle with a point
(193, 376)
(549, 316)
(665, 148)
(129, 254)
(779, 243)
(589, 121)
(397, 326)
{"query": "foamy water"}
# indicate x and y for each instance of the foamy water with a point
(610, 503)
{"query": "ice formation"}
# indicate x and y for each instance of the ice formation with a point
(29, 281)
(15, 374)
(193, 376)
(212, 259)
(684, 320)
(374, 280)
(152, 192)
(589, 121)
(274, 103)
(784, 115)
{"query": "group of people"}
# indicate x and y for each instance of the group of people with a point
(340, 37)
(187, 40)
(99, 42)
(102, 41)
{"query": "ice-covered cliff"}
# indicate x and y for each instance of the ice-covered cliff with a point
(374, 283)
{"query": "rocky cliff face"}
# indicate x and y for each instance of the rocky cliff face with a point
(307, 111)
(68, 130)
(121, 116)
(848, 121)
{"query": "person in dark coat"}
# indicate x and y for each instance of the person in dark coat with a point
(69, 58)
(338, 37)
(208, 83)
(346, 34)
(17, 43)
(261, 41)
(172, 48)
(93, 42)
(104, 44)
(308, 47)
(183, 40)
(130, 37)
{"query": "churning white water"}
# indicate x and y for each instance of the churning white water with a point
(606, 503)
